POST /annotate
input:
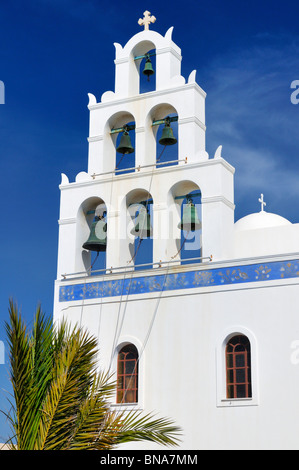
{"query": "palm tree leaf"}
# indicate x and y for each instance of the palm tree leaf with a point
(61, 400)
(135, 426)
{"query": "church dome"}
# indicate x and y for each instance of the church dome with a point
(260, 219)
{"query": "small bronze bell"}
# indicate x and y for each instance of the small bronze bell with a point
(167, 137)
(97, 238)
(190, 220)
(148, 68)
(125, 146)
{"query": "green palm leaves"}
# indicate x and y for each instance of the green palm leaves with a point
(61, 400)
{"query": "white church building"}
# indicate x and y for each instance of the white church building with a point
(196, 314)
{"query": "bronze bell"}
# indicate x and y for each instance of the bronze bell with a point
(167, 137)
(143, 228)
(190, 220)
(125, 146)
(148, 68)
(97, 237)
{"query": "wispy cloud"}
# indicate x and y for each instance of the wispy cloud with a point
(249, 112)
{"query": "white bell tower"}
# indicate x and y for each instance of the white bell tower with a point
(194, 170)
(96, 296)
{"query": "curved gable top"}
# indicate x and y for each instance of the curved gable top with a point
(160, 42)
(168, 61)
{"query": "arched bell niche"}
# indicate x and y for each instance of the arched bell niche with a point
(119, 143)
(143, 74)
(147, 72)
(186, 217)
(139, 203)
(91, 236)
(163, 138)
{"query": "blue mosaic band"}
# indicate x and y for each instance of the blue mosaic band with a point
(185, 280)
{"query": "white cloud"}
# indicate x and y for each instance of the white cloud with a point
(249, 112)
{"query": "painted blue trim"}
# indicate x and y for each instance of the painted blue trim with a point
(184, 280)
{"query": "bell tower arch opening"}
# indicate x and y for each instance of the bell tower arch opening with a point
(92, 235)
(163, 137)
(125, 149)
(167, 140)
(190, 227)
(139, 207)
(147, 72)
(119, 144)
(185, 198)
(143, 73)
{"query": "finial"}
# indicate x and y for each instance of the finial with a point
(261, 200)
(146, 20)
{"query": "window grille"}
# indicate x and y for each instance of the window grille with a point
(238, 368)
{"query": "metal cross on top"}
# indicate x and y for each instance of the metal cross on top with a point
(261, 200)
(146, 20)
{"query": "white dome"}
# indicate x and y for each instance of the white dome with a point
(260, 219)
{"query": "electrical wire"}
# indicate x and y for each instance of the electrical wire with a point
(157, 305)
(182, 245)
(116, 336)
(119, 323)
(146, 204)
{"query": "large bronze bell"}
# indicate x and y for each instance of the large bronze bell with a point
(148, 68)
(143, 228)
(97, 239)
(167, 137)
(190, 221)
(125, 146)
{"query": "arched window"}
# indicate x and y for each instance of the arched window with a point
(238, 367)
(127, 375)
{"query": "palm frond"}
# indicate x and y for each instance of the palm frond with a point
(61, 400)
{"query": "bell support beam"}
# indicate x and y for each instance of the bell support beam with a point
(123, 129)
(145, 56)
(162, 121)
(188, 196)
(132, 126)
(148, 201)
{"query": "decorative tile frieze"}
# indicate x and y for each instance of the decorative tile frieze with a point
(172, 281)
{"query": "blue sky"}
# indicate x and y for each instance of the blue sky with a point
(55, 52)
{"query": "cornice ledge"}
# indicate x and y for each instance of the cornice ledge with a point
(213, 199)
(143, 96)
